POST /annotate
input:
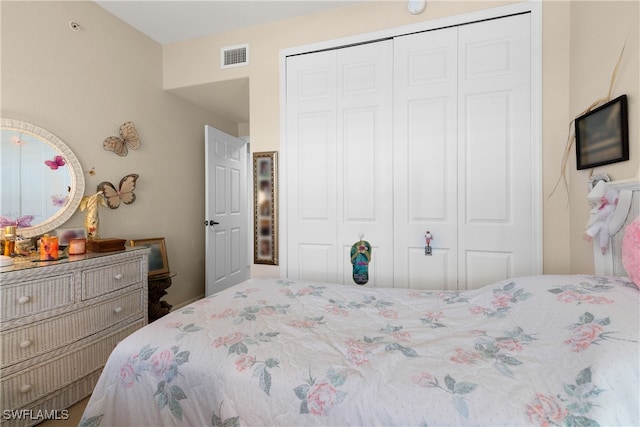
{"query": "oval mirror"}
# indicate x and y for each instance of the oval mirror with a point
(42, 180)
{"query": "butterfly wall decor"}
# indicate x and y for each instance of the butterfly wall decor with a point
(128, 139)
(124, 193)
(23, 221)
(55, 163)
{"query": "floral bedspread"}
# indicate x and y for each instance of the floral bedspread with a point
(541, 350)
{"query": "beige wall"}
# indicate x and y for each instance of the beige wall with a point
(82, 86)
(598, 32)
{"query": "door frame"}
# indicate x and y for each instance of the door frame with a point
(534, 8)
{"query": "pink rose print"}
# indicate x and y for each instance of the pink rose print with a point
(160, 363)
(302, 324)
(501, 300)
(225, 314)
(583, 336)
(509, 345)
(477, 310)
(434, 316)
(267, 311)
(591, 299)
(321, 398)
(127, 375)
(336, 310)
(359, 352)
(388, 314)
(423, 379)
(402, 335)
(465, 357)
(572, 296)
(569, 296)
(229, 340)
(244, 362)
(545, 411)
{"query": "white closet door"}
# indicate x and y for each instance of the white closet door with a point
(425, 165)
(494, 151)
(340, 151)
(365, 158)
(311, 167)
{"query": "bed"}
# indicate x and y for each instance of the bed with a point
(538, 350)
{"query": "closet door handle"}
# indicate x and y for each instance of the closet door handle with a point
(24, 299)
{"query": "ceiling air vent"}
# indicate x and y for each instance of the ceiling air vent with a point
(235, 56)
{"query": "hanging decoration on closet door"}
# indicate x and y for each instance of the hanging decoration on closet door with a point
(360, 258)
(427, 248)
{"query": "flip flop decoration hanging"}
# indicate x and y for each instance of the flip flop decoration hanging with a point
(360, 258)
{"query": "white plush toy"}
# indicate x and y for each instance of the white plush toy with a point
(601, 215)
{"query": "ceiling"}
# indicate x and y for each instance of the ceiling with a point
(168, 21)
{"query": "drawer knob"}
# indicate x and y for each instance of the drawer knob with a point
(24, 299)
(117, 310)
(26, 343)
(118, 276)
(25, 388)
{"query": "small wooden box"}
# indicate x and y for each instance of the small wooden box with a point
(105, 245)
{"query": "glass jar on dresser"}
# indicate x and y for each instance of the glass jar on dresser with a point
(59, 322)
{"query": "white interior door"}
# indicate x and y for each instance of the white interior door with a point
(365, 158)
(226, 211)
(495, 151)
(311, 167)
(425, 159)
(339, 145)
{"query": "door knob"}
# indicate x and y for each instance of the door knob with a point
(211, 222)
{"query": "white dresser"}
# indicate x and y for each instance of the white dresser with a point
(59, 322)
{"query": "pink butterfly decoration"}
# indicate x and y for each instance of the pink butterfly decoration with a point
(15, 140)
(55, 163)
(58, 200)
(23, 221)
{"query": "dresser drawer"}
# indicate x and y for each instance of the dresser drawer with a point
(26, 386)
(100, 281)
(39, 338)
(34, 296)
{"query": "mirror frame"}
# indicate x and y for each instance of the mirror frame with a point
(75, 170)
(265, 222)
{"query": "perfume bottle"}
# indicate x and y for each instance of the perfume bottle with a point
(9, 241)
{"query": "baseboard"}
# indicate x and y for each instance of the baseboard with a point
(186, 303)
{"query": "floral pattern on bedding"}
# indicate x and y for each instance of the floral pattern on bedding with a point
(503, 350)
(555, 350)
(570, 407)
(163, 365)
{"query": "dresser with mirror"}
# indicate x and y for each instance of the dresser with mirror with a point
(59, 319)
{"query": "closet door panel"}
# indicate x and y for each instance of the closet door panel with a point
(425, 167)
(311, 167)
(494, 151)
(365, 153)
